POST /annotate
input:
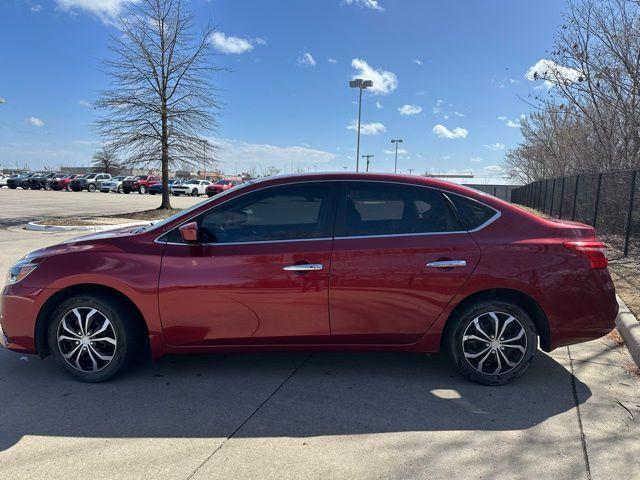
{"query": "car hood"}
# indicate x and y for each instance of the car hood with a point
(90, 242)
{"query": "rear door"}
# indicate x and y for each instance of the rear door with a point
(399, 256)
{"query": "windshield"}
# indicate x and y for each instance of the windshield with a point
(60, 175)
(223, 182)
(89, 176)
(185, 212)
(192, 182)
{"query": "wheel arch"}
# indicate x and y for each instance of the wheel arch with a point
(525, 301)
(49, 307)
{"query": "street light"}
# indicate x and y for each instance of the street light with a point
(396, 141)
(360, 84)
(368, 157)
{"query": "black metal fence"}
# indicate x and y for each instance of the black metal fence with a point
(608, 201)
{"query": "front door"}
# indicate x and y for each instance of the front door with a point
(259, 273)
(386, 283)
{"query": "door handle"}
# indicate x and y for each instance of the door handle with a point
(303, 267)
(447, 264)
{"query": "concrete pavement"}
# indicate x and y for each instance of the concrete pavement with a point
(574, 415)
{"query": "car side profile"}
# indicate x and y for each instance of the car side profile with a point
(339, 261)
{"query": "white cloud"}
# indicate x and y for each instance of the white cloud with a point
(438, 107)
(515, 123)
(495, 146)
(307, 59)
(502, 118)
(552, 73)
(383, 82)
(371, 4)
(492, 170)
(401, 151)
(332, 60)
(409, 110)
(105, 9)
(379, 106)
(374, 128)
(36, 8)
(35, 121)
(512, 124)
(443, 132)
(2, 100)
(458, 114)
(417, 61)
(237, 152)
(476, 159)
(84, 103)
(228, 44)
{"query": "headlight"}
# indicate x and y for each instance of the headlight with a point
(20, 270)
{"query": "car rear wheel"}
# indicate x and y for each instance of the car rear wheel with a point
(492, 342)
(91, 187)
(119, 189)
(142, 189)
(194, 192)
(91, 338)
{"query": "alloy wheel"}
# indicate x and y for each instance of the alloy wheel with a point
(86, 339)
(494, 343)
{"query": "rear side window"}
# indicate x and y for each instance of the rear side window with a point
(471, 213)
(387, 209)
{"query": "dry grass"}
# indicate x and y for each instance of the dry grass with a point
(145, 215)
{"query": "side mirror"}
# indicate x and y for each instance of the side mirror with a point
(189, 232)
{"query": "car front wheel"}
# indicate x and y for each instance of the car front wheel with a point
(142, 189)
(91, 187)
(92, 338)
(492, 342)
(194, 192)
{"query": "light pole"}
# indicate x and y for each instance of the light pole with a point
(360, 84)
(368, 157)
(396, 141)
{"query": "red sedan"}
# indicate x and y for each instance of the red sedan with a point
(220, 186)
(318, 262)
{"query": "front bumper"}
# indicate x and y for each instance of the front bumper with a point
(19, 309)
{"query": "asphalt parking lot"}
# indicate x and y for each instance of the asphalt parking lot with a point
(574, 415)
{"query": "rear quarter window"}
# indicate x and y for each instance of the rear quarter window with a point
(472, 214)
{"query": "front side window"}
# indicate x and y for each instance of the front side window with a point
(391, 209)
(289, 212)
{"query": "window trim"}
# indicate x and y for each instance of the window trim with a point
(337, 192)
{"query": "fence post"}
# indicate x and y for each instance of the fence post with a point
(561, 197)
(627, 232)
(575, 198)
(595, 210)
(553, 194)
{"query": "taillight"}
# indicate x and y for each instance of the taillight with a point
(593, 250)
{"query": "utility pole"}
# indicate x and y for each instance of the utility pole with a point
(396, 141)
(410, 171)
(368, 157)
(360, 84)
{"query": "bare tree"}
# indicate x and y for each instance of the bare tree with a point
(105, 160)
(269, 170)
(161, 101)
(589, 118)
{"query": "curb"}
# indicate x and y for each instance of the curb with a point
(36, 227)
(629, 328)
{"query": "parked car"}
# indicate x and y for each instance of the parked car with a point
(193, 187)
(89, 182)
(156, 188)
(62, 183)
(360, 261)
(19, 180)
(113, 185)
(3, 180)
(220, 186)
(41, 180)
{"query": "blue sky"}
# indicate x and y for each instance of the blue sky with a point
(447, 79)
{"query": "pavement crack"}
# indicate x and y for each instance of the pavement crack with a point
(583, 438)
(244, 422)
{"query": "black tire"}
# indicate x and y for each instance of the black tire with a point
(467, 355)
(210, 194)
(176, 194)
(68, 188)
(119, 189)
(151, 193)
(47, 186)
(142, 190)
(194, 192)
(126, 334)
(91, 188)
(12, 187)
